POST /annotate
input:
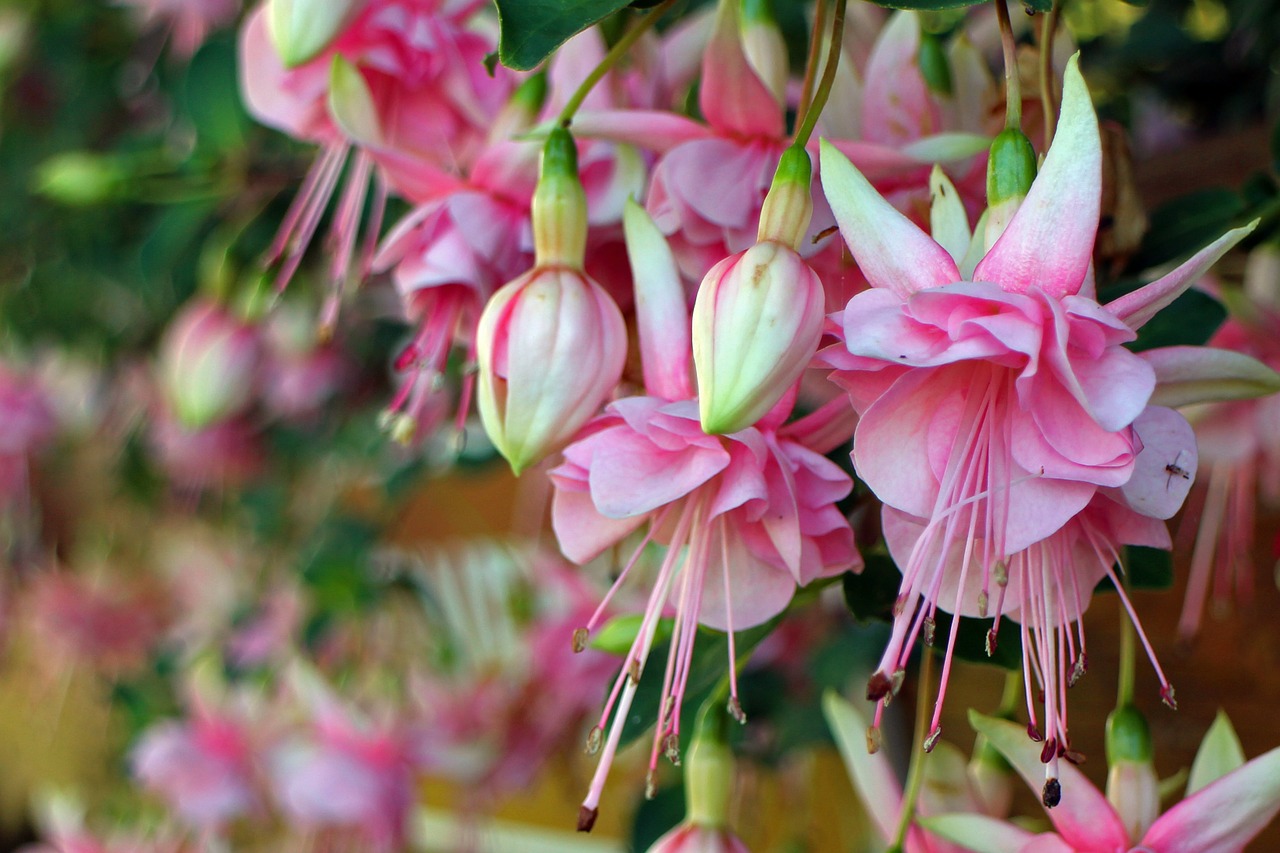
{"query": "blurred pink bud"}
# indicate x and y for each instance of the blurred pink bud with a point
(208, 363)
(550, 348)
(218, 456)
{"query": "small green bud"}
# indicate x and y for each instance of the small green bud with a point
(559, 206)
(1128, 736)
(788, 208)
(1011, 168)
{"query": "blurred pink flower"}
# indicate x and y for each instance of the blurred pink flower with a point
(186, 22)
(27, 425)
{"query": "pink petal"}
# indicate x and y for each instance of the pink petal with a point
(757, 590)
(651, 129)
(1049, 242)
(583, 533)
(732, 97)
(1083, 817)
(1165, 469)
(662, 315)
(896, 105)
(630, 476)
(1225, 815)
(1136, 308)
(890, 250)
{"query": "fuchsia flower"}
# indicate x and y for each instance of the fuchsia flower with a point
(208, 368)
(1240, 450)
(1228, 803)
(401, 81)
(746, 518)
(349, 774)
(201, 767)
(998, 403)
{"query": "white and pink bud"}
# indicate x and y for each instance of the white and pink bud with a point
(550, 345)
(708, 784)
(1132, 786)
(758, 315)
(300, 30)
(208, 364)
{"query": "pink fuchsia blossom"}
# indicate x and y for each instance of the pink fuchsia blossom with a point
(187, 23)
(223, 455)
(997, 402)
(1239, 451)
(1228, 802)
(201, 767)
(403, 84)
(348, 773)
(745, 518)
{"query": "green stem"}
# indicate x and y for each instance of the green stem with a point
(1012, 693)
(1128, 652)
(828, 77)
(1012, 85)
(811, 61)
(1048, 30)
(629, 38)
(915, 773)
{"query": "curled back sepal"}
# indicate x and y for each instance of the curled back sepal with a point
(758, 315)
(550, 347)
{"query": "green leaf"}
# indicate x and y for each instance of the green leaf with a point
(710, 664)
(531, 30)
(212, 98)
(1190, 320)
(870, 593)
(1185, 224)
(1144, 568)
(971, 641)
(1219, 754)
(616, 636)
(936, 5)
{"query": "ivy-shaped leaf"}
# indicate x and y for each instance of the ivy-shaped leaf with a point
(531, 30)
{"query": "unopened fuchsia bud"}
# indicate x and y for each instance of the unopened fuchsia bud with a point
(758, 314)
(1010, 170)
(301, 29)
(208, 364)
(708, 784)
(1132, 786)
(550, 345)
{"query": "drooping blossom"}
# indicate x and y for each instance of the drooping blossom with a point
(1228, 802)
(202, 767)
(346, 773)
(997, 401)
(745, 518)
(400, 82)
(1239, 452)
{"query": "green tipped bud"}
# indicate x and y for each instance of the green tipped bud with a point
(301, 29)
(788, 207)
(934, 65)
(1128, 736)
(80, 178)
(1010, 171)
(559, 206)
(708, 771)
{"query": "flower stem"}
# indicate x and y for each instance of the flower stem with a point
(1012, 84)
(819, 101)
(1048, 29)
(629, 38)
(915, 773)
(1128, 653)
(811, 61)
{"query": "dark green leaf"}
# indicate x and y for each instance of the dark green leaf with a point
(971, 641)
(1184, 225)
(1144, 568)
(930, 5)
(709, 665)
(871, 593)
(213, 98)
(532, 29)
(657, 816)
(1190, 320)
